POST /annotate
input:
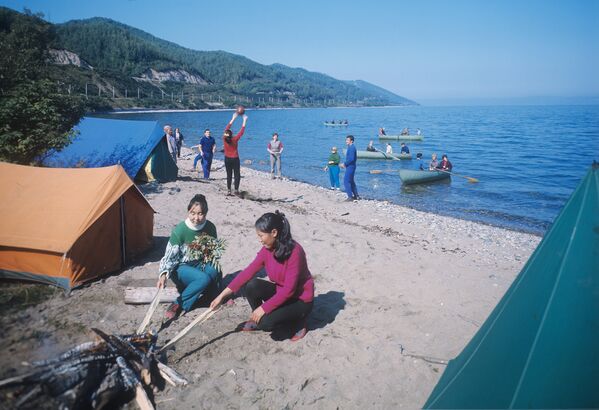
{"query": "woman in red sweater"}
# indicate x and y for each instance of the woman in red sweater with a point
(231, 155)
(287, 298)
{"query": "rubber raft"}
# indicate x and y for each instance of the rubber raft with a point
(402, 137)
(414, 176)
(381, 155)
(328, 124)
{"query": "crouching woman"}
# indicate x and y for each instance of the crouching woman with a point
(285, 300)
(191, 274)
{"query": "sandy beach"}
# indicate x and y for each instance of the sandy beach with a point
(398, 293)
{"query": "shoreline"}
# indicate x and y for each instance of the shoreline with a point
(183, 110)
(392, 285)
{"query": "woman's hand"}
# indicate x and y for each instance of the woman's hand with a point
(219, 299)
(235, 115)
(257, 314)
(245, 119)
(161, 281)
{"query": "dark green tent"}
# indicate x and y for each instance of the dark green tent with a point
(539, 348)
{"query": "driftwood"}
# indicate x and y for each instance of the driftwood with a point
(171, 376)
(200, 319)
(150, 312)
(145, 295)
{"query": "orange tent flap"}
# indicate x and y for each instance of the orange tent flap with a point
(49, 208)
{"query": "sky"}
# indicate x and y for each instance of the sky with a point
(427, 50)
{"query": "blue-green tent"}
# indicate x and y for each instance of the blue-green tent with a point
(539, 348)
(139, 146)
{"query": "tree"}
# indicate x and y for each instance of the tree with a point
(33, 117)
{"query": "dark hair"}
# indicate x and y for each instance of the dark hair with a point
(200, 200)
(351, 137)
(444, 156)
(419, 155)
(207, 129)
(229, 136)
(275, 133)
(285, 243)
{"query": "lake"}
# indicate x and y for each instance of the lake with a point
(528, 159)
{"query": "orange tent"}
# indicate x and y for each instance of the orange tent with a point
(67, 227)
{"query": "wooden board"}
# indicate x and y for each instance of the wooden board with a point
(144, 295)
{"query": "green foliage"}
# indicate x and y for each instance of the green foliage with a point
(33, 117)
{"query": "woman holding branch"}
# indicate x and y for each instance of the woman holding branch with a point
(191, 258)
(287, 298)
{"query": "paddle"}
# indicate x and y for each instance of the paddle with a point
(470, 179)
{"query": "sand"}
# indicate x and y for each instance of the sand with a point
(398, 293)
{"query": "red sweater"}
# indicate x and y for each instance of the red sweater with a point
(231, 149)
(292, 277)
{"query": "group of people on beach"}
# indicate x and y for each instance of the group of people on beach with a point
(282, 302)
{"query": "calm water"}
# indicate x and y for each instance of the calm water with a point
(528, 158)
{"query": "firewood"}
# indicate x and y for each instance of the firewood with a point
(171, 375)
(150, 312)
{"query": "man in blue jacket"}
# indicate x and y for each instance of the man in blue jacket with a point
(350, 170)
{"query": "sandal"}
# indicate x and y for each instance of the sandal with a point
(249, 326)
(299, 334)
(173, 311)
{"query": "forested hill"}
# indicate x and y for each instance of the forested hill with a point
(118, 66)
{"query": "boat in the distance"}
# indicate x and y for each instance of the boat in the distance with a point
(381, 155)
(415, 176)
(401, 137)
(336, 124)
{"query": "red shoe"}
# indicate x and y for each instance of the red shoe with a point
(299, 334)
(249, 326)
(173, 311)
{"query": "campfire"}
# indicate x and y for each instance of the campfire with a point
(101, 374)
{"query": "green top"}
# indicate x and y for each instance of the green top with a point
(176, 248)
(335, 158)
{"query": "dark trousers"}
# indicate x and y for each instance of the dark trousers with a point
(232, 165)
(294, 312)
(206, 165)
(348, 181)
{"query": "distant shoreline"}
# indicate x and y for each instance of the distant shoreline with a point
(154, 111)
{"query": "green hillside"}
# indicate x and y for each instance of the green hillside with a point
(131, 68)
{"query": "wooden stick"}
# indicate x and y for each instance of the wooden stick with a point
(142, 399)
(200, 319)
(150, 312)
(171, 375)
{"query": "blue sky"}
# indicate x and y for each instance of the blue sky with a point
(428, 50)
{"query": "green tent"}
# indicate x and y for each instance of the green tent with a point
(539, 348)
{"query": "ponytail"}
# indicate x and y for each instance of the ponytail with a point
(284, 244)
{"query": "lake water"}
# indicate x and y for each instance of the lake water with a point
(528, 159)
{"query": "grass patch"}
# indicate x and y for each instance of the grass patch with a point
(18, 296)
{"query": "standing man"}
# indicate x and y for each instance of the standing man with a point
(350, 169)
(171, 141)
(275, 148)
(179, 138)
(207, 149)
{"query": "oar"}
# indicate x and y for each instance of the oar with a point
(470, 179)
(150, 312)
(200, 319)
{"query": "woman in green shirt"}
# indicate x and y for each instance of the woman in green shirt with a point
(190, 275)
(333, 168)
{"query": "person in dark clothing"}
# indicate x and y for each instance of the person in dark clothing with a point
(207, 148)
(404, 148)
(445, 165)
(230, 142)
(179, 141)
(350, 170)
